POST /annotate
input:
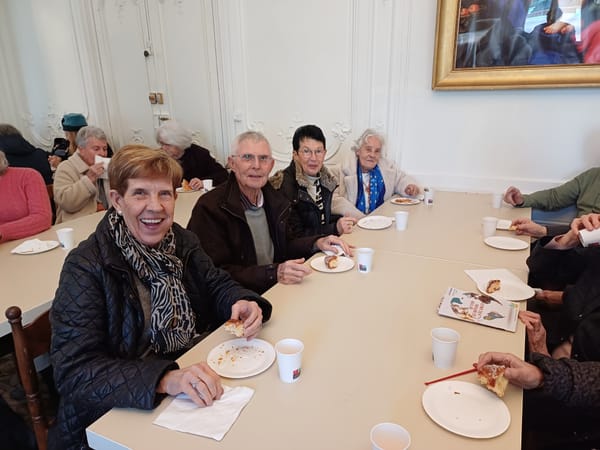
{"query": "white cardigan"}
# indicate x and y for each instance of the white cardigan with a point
(344, 197)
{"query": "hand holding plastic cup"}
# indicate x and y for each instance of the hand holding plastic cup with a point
(364, 259)
(66, 237)
(489, 226)
(401, 220)
(389, 436)
(207, 184)
(289, 359)
(589, 238)
(444, 342)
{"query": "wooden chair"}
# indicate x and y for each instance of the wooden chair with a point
(50, 189)
(31, 341)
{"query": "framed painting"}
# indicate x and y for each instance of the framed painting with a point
(516, 44)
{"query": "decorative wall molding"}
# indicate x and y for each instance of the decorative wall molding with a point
(96, 68)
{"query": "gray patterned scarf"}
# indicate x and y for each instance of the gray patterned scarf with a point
(172, 322)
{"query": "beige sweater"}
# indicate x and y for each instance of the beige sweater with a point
(74, 193)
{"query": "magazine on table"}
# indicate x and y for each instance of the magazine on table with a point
(479, 308)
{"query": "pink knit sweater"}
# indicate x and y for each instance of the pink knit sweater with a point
(24, 204)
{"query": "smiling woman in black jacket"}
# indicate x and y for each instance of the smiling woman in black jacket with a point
(134, 296)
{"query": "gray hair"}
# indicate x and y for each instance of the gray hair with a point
(8, 130)
(362, 140)
(171, 133)
(89, 132)
(254, 136)
(3, 163)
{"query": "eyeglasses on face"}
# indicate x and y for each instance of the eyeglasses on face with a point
(307, 152)
(249, 158)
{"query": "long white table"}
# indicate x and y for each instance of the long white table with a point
(449, 229)
(367, 351)
(30, 281)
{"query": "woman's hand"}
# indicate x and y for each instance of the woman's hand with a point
(196, 184)
(588, 222)
(345, 224)
(198, 381)
(329, 243)
(518, 372)
(251, 314)
(412, 190)
(529, 228)
(54, 161)
(536, 333)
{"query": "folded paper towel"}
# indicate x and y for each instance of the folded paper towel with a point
(213, 421)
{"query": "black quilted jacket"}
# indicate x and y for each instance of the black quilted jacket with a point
(97, 327)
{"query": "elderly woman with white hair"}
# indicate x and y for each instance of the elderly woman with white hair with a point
(196, 161)
(367, 179)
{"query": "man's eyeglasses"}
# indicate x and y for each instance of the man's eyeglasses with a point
(306, 152)
(249, 158)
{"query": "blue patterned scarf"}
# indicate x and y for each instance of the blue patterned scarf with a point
(376, 190)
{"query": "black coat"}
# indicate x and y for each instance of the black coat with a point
(219, 221)
(21, 153)
(98, 324)
(305, 217)
(197, 162)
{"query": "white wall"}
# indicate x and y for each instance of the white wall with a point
(272, 65)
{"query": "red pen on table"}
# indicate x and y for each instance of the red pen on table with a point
(458, 374)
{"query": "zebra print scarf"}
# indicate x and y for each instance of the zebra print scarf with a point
(172, 322)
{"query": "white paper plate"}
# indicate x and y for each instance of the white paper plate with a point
(180, 190)
(35, 246)
(510, 290)
(405, 201)
(466, 409)
(344, 264)
(506, 243)
(375, 222)
(239, 358)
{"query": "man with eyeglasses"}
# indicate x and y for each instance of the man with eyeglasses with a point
(309, 186)
(243, 223)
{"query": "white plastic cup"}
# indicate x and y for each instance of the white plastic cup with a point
(444, 342)
(389, 436)
(66, 237)
(401, 220)
(207, 184)
(364, 259)
(289, 359)
(489, 226)
(590, 238)
(497, 200)
(428, 196)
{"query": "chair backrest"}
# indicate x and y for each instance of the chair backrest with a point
(50, 189)
(31, 341)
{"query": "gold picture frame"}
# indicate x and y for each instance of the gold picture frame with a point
(447, 77)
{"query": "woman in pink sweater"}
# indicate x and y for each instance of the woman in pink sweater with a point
(25, 203)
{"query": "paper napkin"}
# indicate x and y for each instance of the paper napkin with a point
(33, 246)
(213, 421)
